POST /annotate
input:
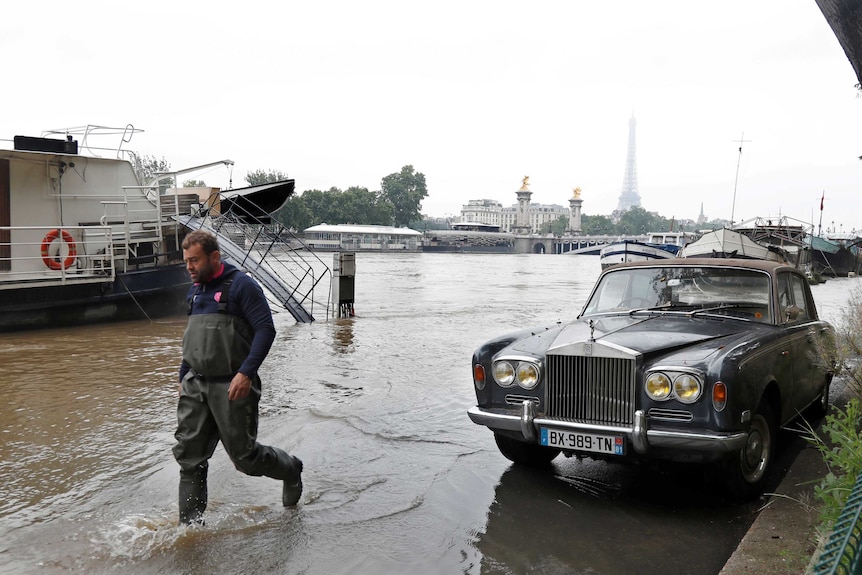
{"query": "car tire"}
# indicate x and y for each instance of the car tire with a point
(527, 454)
(746, 473)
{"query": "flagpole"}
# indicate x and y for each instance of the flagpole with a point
(822, 197)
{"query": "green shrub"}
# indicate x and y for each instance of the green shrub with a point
(840, 443)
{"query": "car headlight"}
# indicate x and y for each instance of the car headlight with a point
(526, 372)
(504, 373)
(687, 388)
(657, 386)
(528, 375)
(673, 383)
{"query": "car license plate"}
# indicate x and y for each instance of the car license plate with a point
(612, 444)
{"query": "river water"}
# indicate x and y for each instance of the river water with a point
(397, 478)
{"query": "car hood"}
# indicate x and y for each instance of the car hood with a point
(635, 333)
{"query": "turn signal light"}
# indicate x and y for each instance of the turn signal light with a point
(479, 376)
(719, 396)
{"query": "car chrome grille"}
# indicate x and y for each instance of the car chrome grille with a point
(597, 390)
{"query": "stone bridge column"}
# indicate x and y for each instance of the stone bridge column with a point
(575, 212)
(522, 221)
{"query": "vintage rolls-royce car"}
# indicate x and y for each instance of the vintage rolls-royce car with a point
(693, 360)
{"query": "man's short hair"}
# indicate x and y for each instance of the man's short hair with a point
(204, 239)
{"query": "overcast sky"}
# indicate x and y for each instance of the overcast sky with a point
(475, 95)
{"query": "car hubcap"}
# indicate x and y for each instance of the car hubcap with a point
(756, 452)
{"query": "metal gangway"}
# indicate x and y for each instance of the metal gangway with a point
(280, 261)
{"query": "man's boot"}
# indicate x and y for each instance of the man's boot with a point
(276, 463)
(193, 496)
(292, 489)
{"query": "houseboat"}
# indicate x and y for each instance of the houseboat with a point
(83, 240)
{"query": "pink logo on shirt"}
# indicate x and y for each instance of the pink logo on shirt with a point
(217, 296)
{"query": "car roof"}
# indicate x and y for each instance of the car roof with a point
(768, 266)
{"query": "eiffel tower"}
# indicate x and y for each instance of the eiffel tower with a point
(630, 197)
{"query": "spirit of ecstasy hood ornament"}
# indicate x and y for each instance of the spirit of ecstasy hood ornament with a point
(592, 330)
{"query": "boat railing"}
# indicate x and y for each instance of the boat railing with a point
(68, 254)
(144, 225)
(85, 133)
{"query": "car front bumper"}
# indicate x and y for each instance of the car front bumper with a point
(640, 436)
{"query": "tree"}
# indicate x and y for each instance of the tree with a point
(716, 224)
(597, 225)
(637, 221)
(557, 227)
(294, 214)
(259, 177)
(319, 205)
(360, 206)
(147, 169)
(194, 184)
(356, 205)
(405, 191)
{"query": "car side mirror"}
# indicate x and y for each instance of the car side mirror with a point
(792, 313)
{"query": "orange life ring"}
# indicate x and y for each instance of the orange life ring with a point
(54, 262)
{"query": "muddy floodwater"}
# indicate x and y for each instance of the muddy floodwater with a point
(397, 478)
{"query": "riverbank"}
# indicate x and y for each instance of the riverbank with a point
(783, 539)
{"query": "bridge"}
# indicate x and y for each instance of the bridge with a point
(550, 244)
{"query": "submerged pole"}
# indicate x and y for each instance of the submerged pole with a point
(343, 284)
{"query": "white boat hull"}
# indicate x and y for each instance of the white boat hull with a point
(632, 251)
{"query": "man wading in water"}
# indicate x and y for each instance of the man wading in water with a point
(229, 333)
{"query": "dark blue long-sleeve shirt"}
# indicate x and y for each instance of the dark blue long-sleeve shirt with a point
(245, 300)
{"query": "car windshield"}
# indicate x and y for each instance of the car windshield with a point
(739, 293)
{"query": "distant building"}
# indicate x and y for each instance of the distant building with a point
(701, 219)
(349, 237)
(492, 213)
(630, 196)
(507, 218)
(482, 212)
(537, 214)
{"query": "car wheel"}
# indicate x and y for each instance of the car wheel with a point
(528, 454)
(746, 472)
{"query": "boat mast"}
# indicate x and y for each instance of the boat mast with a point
(736, 179)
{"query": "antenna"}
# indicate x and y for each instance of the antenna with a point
(740, 141)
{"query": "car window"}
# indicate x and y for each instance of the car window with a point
(792, 299)
(799, 297)
(731, 291)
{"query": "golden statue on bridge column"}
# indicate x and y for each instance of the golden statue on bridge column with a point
(525, 184)
(577, 193)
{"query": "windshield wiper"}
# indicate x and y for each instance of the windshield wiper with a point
(662, 307)
(716, 308)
